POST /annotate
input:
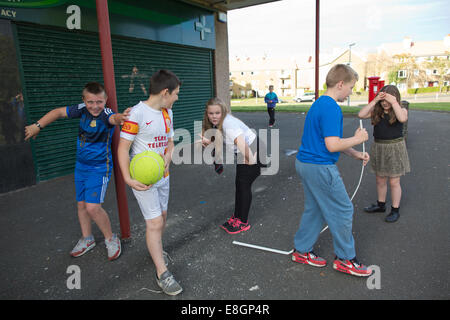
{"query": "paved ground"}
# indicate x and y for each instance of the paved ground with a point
(38, 228)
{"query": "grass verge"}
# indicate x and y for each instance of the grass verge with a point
(435, 106)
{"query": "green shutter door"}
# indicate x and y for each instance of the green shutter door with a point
(56, 64)
(192, 65)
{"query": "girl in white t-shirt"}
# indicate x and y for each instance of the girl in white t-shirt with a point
(234, 133)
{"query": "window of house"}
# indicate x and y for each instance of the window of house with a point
(401, 74)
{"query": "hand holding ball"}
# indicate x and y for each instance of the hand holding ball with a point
(147, 167)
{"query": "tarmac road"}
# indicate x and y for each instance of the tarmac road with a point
(39, 227)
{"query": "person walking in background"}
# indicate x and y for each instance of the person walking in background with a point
(271, 99)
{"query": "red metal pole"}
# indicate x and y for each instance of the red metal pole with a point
(110, 87)
(317, 49)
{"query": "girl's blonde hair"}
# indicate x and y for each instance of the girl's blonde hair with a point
(217, 136)
(378, 110)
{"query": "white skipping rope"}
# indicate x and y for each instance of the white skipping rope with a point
(360, 177)
(289, 252)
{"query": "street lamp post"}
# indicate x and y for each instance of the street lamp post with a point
(349, 63)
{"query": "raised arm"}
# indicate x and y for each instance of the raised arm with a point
(33, 130)
(366, 111)
(400, 113)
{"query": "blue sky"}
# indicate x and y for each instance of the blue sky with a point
(287, 28)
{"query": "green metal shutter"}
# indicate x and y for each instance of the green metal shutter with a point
(56, 64)
(192, 65)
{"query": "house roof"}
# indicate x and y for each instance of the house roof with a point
(417, 48)
(299, 62)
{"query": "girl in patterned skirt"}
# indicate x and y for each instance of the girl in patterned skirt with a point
(388, 154)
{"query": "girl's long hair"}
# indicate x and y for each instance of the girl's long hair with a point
(217, 136)
(378, 111)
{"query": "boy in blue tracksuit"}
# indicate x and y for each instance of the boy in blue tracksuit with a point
(326, 200)
(271, 99)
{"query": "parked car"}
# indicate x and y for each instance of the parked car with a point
(307, 96)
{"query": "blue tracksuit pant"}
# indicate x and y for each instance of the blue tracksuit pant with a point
(326, 203)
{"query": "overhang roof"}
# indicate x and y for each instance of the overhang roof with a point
(226, 5)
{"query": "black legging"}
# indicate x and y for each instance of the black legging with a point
(245, 176)
(271, 112)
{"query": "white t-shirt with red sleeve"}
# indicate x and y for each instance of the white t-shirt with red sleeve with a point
(148, 128)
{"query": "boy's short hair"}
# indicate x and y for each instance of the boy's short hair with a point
(163, 79)
(94, 88)
(340, 72)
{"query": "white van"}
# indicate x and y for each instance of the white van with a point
(307, 96)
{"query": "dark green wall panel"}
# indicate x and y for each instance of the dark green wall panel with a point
(57, 63)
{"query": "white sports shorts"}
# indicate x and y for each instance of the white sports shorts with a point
(154, 200)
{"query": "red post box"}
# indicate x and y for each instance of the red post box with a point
(374, 86)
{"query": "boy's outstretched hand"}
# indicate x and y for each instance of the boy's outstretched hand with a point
(31, 131)
(122, 117)
(118, 119)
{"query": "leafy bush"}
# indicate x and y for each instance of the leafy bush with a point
(427, 90)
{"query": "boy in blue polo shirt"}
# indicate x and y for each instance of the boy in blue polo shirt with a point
(326, 200)
(93, 162)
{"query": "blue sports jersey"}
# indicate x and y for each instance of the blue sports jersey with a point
(324, 119)
(94, 138)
